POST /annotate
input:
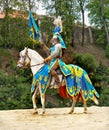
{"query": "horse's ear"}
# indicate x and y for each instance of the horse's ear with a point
(26, 47)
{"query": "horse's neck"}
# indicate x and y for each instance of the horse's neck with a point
(36, 61)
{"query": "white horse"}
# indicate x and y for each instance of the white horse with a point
(36, 62)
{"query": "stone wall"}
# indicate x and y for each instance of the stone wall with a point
(77, 35)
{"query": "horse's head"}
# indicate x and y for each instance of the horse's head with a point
(24, 59)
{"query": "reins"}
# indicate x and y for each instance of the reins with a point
(36, 64)
(27, 66)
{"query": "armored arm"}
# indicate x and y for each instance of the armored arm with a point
(54, 54)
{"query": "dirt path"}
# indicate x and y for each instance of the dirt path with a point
(97, 118)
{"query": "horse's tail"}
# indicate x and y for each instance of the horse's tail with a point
(95, 100)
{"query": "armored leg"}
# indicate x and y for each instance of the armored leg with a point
(54, 73)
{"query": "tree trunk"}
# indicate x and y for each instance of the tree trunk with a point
(82, 43)
(81, 3)
(6, 7)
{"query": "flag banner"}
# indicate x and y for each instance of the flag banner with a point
(34, 30)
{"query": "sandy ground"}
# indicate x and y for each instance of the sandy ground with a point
(97, 118)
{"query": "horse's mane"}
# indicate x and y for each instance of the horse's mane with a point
(35, 53)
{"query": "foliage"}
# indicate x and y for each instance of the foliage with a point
(99, 18)
(101, 69)
(14, 93)
(4, 52)
(46, 28)
(16, 36)
(99, 35)
(100, 77)
(68, 11)
(89, 62)
(20, 5)
(103, 73)
(95, 15)
(86, 61)
(15, 86)
(107, 51)
(104, 96)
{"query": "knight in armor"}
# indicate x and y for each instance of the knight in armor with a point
(54, 59)
(55, 52)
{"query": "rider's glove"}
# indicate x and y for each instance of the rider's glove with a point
(49, 58)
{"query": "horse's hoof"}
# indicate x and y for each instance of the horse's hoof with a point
(42, 113)
(36, 112)
(85, 112)
(71, 112)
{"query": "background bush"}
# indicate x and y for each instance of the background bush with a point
(107, 51)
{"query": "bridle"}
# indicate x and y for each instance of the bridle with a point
(24, 60)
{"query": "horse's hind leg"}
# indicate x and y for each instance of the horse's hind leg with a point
(73, 105)
(85, 106)
(84, 102)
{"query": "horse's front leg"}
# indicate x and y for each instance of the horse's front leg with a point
(36, 92)
(73, 105)
(42, 96)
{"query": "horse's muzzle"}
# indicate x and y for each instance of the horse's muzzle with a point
(20, 65)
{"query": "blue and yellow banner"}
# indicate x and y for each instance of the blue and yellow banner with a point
(34, 30)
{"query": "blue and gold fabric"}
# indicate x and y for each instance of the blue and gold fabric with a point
(57, 30)
(80, 80)
(33, 29)
(42, 77)
(76, 79)
(61, 41)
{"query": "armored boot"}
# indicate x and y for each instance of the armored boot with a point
(56, 78)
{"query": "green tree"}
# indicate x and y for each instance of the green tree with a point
(107, 51)
(17, 34)
(99, 17)
(103, 19)
(6, 5)
(82, 3)
(86, 61)
(13, 31)
(68, 11)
